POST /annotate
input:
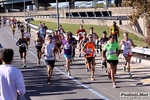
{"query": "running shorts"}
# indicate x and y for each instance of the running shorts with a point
(50, 62)
(22, 49)
(27, 39)
(58, 45)
(4, 22)
(114, 62)
(67, 56)
(38, 48)
(89, 59)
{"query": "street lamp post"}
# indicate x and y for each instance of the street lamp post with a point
(57, 12)
(24, 9)
(12, 6)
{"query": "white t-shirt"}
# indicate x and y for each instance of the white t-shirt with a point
(127, 47)
(27, 35)
(49, 55)
(11, 81)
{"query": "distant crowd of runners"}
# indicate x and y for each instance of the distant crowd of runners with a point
(90, 45)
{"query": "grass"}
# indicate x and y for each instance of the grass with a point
(98, 29)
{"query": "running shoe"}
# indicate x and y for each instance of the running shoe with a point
(20, 58)
(24, 65)
(130, 75)
(124, 68)
(87, 70)
(38, 63)
(69, 74)
(114, 85)
(80, 55)
(48, 81)
(92, 79)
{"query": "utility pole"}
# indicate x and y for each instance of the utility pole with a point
(57, 12)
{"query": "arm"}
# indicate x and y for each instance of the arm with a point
(84, 48)
(118, 31)
(20, 86)
(17, 43)
(118, 50)
(132, 43)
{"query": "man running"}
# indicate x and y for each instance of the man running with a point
(67, 46)
(39, 40)
(102, 41)
(18, 24)
(48, 50)
(94, 36)
(45, 29)
(89, 52)
(81, 44)
(126, 45)
(27, 35)
(80, 32)
(22, 28)
(22, 43)
(4, 21)
(110, 54)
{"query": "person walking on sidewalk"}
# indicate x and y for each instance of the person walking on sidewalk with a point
(126, 45)
(48, 50)
(114, 30)
(11, 78)
(89, 52)
(110, 54)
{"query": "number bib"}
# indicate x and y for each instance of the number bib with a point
(112, 52)
(67, 46)
(23, 45)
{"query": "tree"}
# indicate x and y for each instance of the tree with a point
(141, 8)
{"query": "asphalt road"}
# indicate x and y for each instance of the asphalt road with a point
(78, 86)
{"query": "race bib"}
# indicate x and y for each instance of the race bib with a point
(67, 46)
(23, 44)
(89, 50)
(112, 52)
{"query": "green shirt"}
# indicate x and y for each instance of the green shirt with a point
(110, 49)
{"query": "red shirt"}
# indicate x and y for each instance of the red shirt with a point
(80, 33)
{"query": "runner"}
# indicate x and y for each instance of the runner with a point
(38, 45)
(22, 49)
(48, 50)
(67, 46)
(126, 45)
(110, 54)
(94, 36)
(28, 28)
(81, 44)
(27, 36)
(89, 52)
(39, 26)
(18, 24)
(42, 31)
(61, 29)
(102, 41)
(13, 27)
(80, 32)
(74, 44)
(45, 29)
(58, 43)
(10, 22)
(22, 28)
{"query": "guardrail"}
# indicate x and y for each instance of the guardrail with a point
(139, 50)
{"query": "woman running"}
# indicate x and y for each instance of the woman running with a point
(22, 48)
(39, 40)
(13, 27)
(27, 36)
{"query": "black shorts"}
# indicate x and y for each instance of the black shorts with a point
(22, 50)
(114, 62)
(0, 23)
(50, 62)
(58, 45)
(38, 48)
(4, 22)
(22, 31)
(89, 59)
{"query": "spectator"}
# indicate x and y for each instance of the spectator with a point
(114, 30)
(11, 79)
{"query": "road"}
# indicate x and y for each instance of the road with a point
(78, 86)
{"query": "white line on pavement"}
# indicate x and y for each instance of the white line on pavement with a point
(78, 82)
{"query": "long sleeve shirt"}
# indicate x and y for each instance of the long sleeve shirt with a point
(11, 82)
